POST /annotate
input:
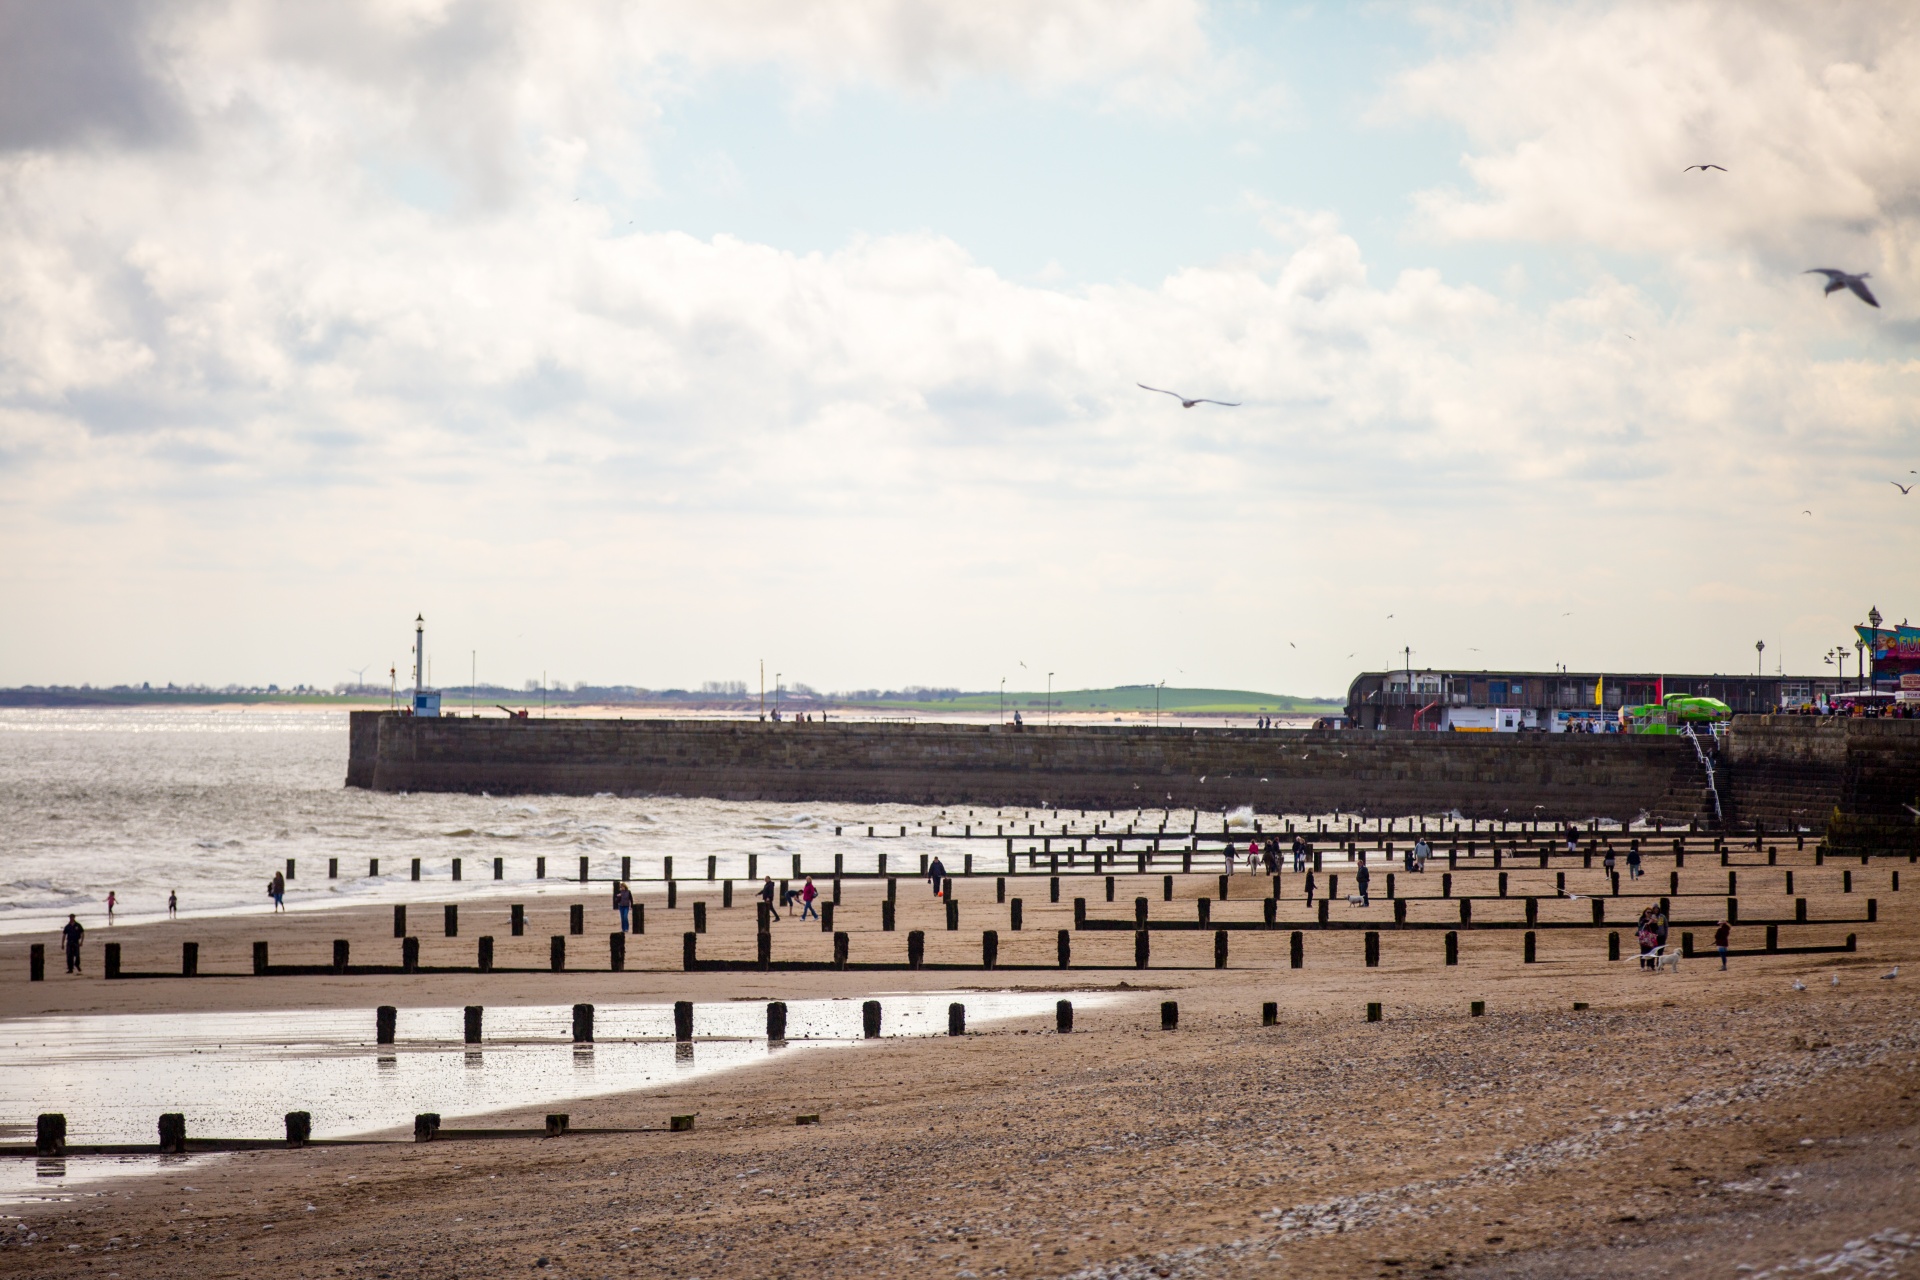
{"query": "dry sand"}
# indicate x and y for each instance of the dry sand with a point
(1689, 1123)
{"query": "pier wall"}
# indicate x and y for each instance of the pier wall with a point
(1856, 777)
(1380, 773)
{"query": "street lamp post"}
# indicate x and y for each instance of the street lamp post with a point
(1003, 699)
(1860, 664)
(1156, 703)
(1049, 699)
(1759, 650)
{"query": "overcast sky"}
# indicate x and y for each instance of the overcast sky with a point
(639, 342)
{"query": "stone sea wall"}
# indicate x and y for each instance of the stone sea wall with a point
(1379, 773)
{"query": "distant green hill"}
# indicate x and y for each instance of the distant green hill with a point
(1131, 697)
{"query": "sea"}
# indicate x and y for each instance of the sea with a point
(208, 802)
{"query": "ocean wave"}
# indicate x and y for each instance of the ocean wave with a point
(463, 831)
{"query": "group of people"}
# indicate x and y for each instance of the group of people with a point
(72, 933)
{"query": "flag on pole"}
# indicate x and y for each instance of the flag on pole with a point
(1598, 686)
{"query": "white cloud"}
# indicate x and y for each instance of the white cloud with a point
(1583, 119)
(262, 393)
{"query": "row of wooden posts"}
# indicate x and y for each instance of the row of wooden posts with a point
(842, 954)
(50, 1134)
(1046, 860)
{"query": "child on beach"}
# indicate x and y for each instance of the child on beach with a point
(807, 894)
(173, 904)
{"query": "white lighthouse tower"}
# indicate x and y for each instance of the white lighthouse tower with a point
(426, 702)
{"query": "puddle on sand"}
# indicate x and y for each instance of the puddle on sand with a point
(236, 1075)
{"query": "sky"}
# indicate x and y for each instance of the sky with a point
(645, 343)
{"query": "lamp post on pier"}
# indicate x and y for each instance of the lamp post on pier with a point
(1759, 650)
(1049, 699)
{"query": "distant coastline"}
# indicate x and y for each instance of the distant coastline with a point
(1123, 700)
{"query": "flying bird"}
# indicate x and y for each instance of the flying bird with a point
(1903, 488)
(1806, 513)
(1690, 168)
(1838, 280)
(1292, 645)
(1188, 404)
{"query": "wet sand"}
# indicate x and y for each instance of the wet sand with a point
(1690, 1122)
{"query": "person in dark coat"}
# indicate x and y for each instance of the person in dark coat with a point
(71, 935)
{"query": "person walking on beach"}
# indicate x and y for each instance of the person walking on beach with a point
(1573, 839)
(1606, 863)
(71, 935)
(1722, 937)
(173, 905)
(112, 902)
(277, 890)
(936, 872)
(1299, 853)
(1309, 888)
(1360, 877)
(807, 894)
(623, 903)
(766, 896)
(1421, 852)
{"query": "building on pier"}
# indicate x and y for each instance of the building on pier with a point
(1557, 701)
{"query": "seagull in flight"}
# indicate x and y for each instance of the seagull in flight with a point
(1690, 168)
(1903, 488)
(1806, 513)
(1188, 404)
(1838, 280)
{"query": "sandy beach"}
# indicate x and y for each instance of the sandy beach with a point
(1697, 1118)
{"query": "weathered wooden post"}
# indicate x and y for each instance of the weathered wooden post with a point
(558, 1124)
(583, 868)
(260, 959)
(726, 894)
(1053, 889)
(1477, 1009)
(410, 954)
(385, 1019)
(956, 1019)
(1466, 913)
(1373, 1011)
(173, 1134)
(1205, 908)
(373, 868)
(399, 919)
(776, 1020)
(50, 1134)
(110, 959)
(333, 868)
(1079, 913)
(557, 952)
(1270, 1014)
(37, 962)
(416, 868)
(841, 943)
(1533, 911)
(826, 917)
(1527, 947)
(1453, 947)
(486, 954)
(1373, 949)
(1169, 1015)
(673, 895)
(583, 1024)
(1063, 1017)
(689, 951)
(471, 1029)
(342, 953)
(1063, 947)
(1219, 948)
(1141, 948)
(1613, 945)
(189, 959)
(453, 920)
(953, 916)
(763, 948)
(577, 919)
(1015, 914)
(456, 868)
(499, 868)
(1297, 950)
(916, 948)
(426, 1126)
(700, 917)
(617, 951)
(870, 1019)
(517, 919)
(682, 1021)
